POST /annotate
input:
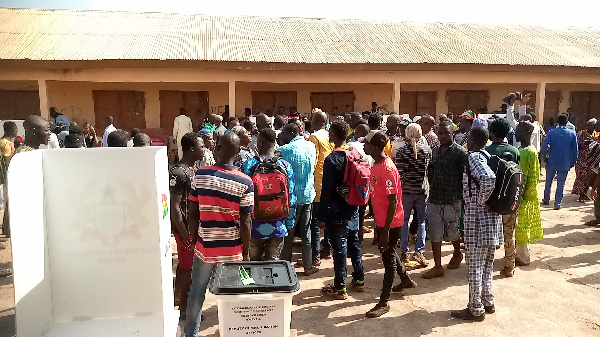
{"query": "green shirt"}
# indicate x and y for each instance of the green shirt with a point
(504, 151)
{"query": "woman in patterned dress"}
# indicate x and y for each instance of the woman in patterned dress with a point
(582, 169)
(529, 224)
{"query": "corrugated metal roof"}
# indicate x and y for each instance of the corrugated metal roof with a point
(101, 35)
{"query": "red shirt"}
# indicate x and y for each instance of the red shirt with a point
(385, 180)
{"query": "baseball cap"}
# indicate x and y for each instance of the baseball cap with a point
(467, 115)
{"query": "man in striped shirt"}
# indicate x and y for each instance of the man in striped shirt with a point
(221, 202)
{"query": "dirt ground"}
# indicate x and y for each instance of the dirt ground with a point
(556, 295)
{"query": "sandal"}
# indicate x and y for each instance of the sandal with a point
(592, 223)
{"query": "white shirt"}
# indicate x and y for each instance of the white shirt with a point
(107, 132)
(52, 142)
(130, 143)
(536, 138)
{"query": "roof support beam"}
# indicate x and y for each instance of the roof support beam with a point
(231, 100)
(540, 101)
(396, 97)
(43, 92)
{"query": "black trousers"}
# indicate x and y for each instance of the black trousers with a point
(392, 265)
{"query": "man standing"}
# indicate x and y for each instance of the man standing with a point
(221, 232)
(427, 122)
(262, 121)
(60, 119)
(209, 144)
(245, 151)
(385, 196)
(466, 122)
(560, 151)
(110, 128)
(180, 179)
(217, 121)
(7, 150)
(37, 132)
(181, 126)
(266, 242)
(483, 229)
(323, 147)
(444, 206)
(499, 129)
(335, 215)
(301, 154)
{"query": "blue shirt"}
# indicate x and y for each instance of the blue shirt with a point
(301, 154)
(278, 228)
(63, 119)
(563, 150)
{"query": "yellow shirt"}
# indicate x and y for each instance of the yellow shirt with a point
(7, 147)
(323, 148)
(388, 151)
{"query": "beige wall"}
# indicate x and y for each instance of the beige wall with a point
(75, 98)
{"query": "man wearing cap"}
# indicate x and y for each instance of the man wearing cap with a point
(466, 122)
(386, 194)
(427, 122)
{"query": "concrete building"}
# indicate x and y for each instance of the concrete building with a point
(143, 67)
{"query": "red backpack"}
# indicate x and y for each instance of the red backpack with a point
(271, 190)
(355, 188)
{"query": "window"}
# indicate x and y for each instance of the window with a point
(416, 103)
(126, 106)
(461, 100)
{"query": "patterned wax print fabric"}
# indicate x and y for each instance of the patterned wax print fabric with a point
(583, 172)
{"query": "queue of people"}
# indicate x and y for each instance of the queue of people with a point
(241, 191)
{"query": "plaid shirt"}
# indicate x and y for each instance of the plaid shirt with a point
(482, 227)
(445, 174)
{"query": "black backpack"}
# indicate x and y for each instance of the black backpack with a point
(508, 191)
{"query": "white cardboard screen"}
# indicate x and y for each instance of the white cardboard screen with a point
(103, 235)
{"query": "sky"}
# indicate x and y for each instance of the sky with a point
(574, 13)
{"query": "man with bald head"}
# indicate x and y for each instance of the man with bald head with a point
(262, 121)
(37, 132)
(141, 140)
(221, 232)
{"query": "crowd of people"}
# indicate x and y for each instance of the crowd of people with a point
(243, 189)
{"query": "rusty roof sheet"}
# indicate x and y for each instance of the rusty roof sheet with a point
(103, 35)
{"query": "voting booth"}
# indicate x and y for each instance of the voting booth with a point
(91, 243)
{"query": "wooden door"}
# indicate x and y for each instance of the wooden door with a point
(263, 101)
(322, 100)
(19, 104)
(408, 103)
(194, 102)
(580, 103)
(426, 102)
(341, 99)
(126, 106)
(461, 100)
(286, 99)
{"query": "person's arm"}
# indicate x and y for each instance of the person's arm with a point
(315, 141)
(510, 116)
(176, 217)
(328, 188)
(484, 175)
(574, 150)
(544, 149)
(291, 217)
(175, 128)
(193, 220)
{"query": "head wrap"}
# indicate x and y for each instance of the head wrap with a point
(592, 121)
(480, 122)
(414, 133)
(205, 133)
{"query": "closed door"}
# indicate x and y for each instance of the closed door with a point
(263, 101)
(585, 105)
(126, 106)
(195, 104)
(551, 105)
(326, 101)
(461, 100)
(19, 104)
(417, 103)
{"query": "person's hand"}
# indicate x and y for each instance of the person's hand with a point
(246, 257)
(526, 98)
(384, 238)
(321, 224)
(594, 194)
(490, 210)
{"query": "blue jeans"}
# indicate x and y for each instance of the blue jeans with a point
(315, 232)
(418, 203)
(201, 273)
(303, 224)
(345, 242)
(561, 177)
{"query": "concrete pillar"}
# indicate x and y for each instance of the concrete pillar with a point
(540, 101)
(43, 92)
(396, 97)
(441, 105)
(232, 108)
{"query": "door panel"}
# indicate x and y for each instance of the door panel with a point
(262, 101)
(126, 106)
(322, 100)
(551, 105)
(19, 104)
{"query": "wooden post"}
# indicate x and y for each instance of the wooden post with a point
(396, 97)
(232, 109)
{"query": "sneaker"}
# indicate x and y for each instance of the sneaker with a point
(336, 294)
(378, 310)
(404, 258)
(420, 258)
(467, 315)
(358, 285)
(407, 283)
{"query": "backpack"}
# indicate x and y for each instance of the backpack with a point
(271, 190)
(357, 179)
(506, 197)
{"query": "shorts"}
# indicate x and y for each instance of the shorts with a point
(186, 257)
(444, 221)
